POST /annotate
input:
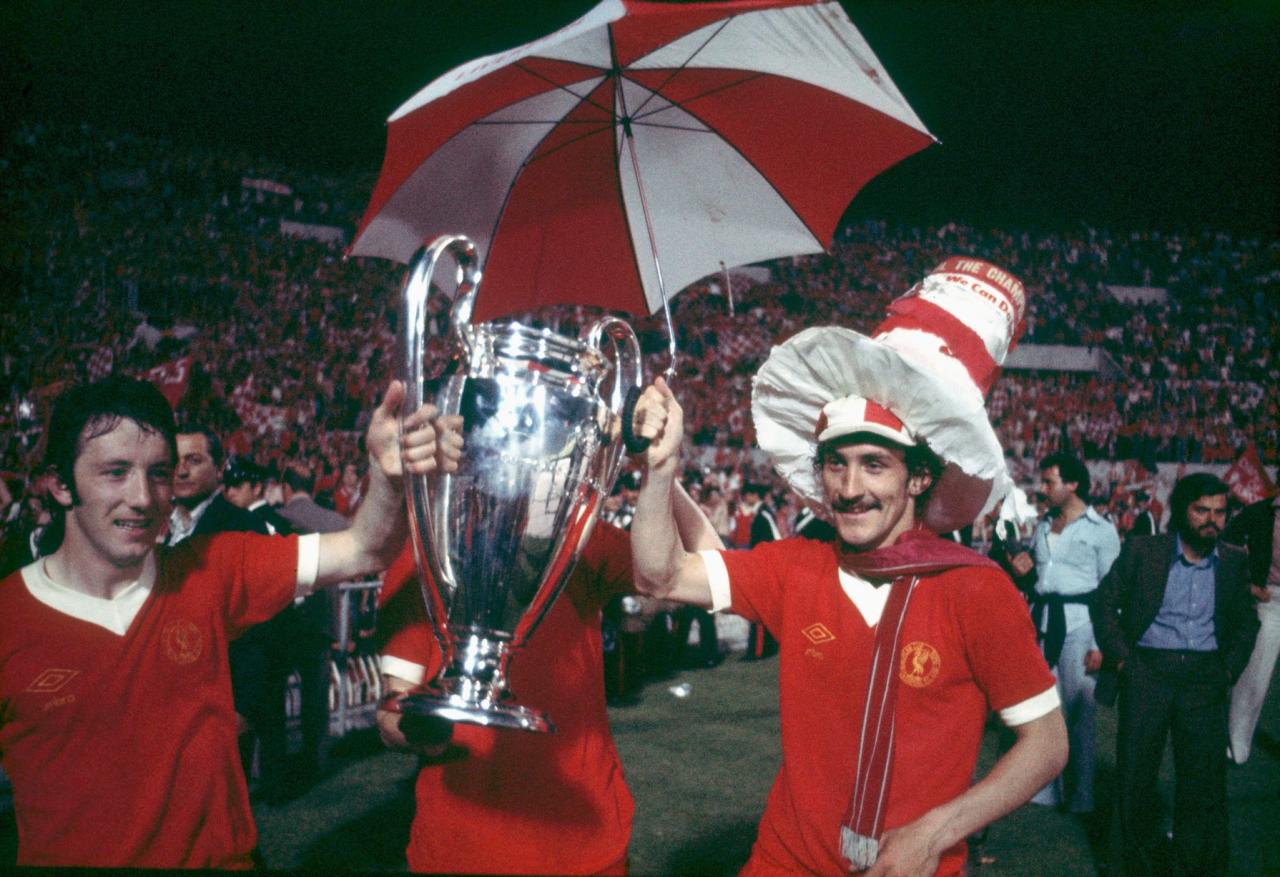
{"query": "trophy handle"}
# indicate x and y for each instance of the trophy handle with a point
(628, 378)
(414, 295)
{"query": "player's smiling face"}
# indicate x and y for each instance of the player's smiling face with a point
(124, 490)
(870, 492)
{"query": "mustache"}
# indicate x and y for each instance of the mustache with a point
(857, 504)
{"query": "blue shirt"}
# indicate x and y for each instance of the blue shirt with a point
(1185, 619)
(1081, 556)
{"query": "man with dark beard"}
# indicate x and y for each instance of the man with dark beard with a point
(1174, 618)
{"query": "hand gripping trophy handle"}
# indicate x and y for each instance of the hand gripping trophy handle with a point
(495, 541)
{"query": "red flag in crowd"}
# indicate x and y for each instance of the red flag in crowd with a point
(1248, 478)
(256, 417)
(171, 378)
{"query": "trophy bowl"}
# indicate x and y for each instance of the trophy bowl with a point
(495, 541)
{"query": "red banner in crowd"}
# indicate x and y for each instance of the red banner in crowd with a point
(256, 418)
(171, 378)
(1248, 478)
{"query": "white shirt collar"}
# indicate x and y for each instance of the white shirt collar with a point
(114, 614)
(867, 598)
(183, 525)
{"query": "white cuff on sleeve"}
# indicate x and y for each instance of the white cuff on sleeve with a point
(1032, 708)
(390, 665)
(308, 564)
(717, 579)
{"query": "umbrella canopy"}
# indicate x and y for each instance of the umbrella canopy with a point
(635, 150)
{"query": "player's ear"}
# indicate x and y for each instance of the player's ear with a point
(63, 493)
(919, 481)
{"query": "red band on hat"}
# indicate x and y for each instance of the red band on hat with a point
(997, 278)
(881, 416)
(961, 342)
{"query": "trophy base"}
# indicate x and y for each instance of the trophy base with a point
(509, 716)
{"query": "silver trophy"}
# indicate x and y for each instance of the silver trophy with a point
(543, 421)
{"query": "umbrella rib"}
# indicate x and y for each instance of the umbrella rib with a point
(677, 70)
(572, 140)
(671, 127)
(557, 122)
(748, 77)
(560, 87)
(622, 195)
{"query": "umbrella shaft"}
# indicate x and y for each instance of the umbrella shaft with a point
(653, 244)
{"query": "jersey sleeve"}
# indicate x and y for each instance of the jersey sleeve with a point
(756, 579)
(607, 560)
(261, 573)
(400, 573)
(1000, 641)
(404, 637)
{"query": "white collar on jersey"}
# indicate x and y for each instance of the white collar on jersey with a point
(115, 614)
(867, 598)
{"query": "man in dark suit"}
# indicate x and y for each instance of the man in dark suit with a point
(199, 507)
(1254, 529)
(1175, 621)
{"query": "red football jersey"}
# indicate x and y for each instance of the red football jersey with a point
(519, 802)
(967, 647)
(122, 747)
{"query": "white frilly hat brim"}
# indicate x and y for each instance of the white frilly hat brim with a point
(825, 363)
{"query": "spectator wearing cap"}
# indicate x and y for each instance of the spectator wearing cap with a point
(244, 485)
(1144, 521)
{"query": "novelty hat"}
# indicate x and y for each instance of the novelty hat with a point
(922, 376)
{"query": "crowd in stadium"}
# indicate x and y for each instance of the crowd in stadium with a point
(126, 253)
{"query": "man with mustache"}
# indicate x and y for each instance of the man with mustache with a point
(1174, 618)
(1073, 548)
(895, 644)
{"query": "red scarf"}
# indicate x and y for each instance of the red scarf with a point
(913, 554)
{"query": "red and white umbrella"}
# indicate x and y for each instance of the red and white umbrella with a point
(635, 150)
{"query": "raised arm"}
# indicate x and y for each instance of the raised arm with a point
(663, 567)
(380, 526)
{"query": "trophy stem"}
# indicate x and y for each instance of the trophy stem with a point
(473, 689)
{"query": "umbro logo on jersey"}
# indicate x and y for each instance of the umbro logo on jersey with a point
(817, 633)
(51, 680)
